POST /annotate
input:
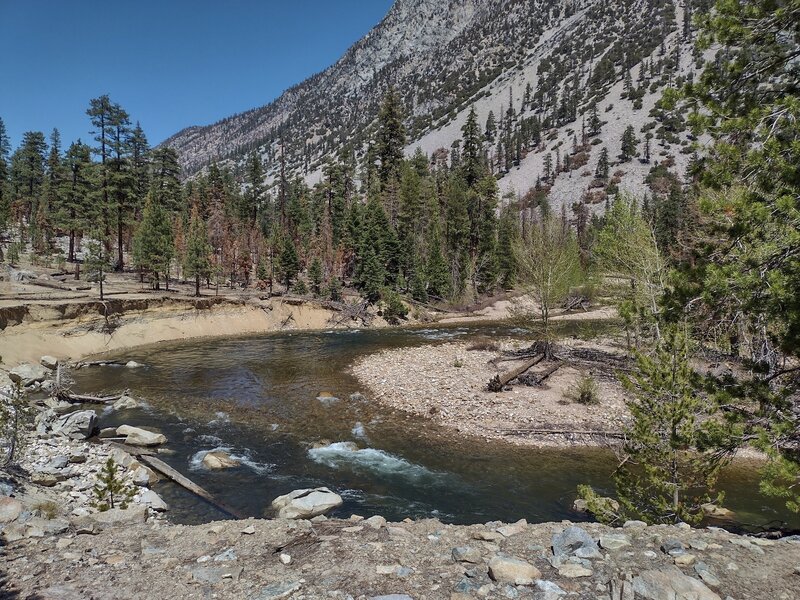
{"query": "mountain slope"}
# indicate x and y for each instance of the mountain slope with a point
(445, 56)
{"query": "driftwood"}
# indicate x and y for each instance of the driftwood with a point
(146, 457)
(103, 363)
(83, 399)
(537, 379)
(576, 302)
(527, 431)
(498, 382)
(353, 312)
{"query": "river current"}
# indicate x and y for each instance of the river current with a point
(257, 399)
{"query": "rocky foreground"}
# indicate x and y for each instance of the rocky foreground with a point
(423, 560)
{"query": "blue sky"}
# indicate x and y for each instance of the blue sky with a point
(169, 63)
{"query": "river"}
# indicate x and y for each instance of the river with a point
(256, 397)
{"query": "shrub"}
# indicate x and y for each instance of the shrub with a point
(394, 308)
(584, 390)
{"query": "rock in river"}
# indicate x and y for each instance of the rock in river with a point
(219, 460)
(140, 437)
(305, 504)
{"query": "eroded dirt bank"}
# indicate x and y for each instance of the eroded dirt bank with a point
(74, 329)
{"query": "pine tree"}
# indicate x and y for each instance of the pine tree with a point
(77, 212)
(472, 152)
(254, 195)
(198, 250)
(5, 178)
(391, 137)
(28, 175)
(111, 490)
(165, 179)
(100, 113)
(438, 274)
(95, 261)
(153, 247)
(491, 128)
(140, 168)
(507, 237)
(629, 143)
(121, 182)
(315, 275)
(288, 262)
(372, 275)
(675, 445)
(603, 165)
(595, 125)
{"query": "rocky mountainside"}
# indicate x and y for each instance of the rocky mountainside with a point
(543, 68)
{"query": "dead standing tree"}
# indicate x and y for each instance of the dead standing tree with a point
(549, 265)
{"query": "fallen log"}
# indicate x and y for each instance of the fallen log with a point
(531, 431)
(537, 379)
(103, 363)
(83, 399)
(186, 483)
(498, 382)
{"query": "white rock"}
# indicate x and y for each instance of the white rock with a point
(307, 503)
(49, 362)
(125, 403)
(507, 569)
(219, 460)
(153, 500)
(136, 436)
(28, 374)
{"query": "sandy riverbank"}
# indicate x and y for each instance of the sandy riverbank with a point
(449, 387)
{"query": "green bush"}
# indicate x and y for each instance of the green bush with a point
(584, 390)
(394, 308)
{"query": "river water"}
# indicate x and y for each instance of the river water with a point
(256, 398)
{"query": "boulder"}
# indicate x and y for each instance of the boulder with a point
(717, 512)
(114, 517)
(614, 541)
(305, 504)
(376, 522)
(575, 541)
(77, 426)
(10, 509)
(134, 436)
(49, 362)
(219, 460)
(507, 569)
(132, 364)
(153, 500)
(671, 584)
(28, 374)
(467, 554)
(125, 403)
(513, 529)
(573, 571)
(143, 477)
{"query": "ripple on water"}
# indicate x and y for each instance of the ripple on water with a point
(342, 455)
